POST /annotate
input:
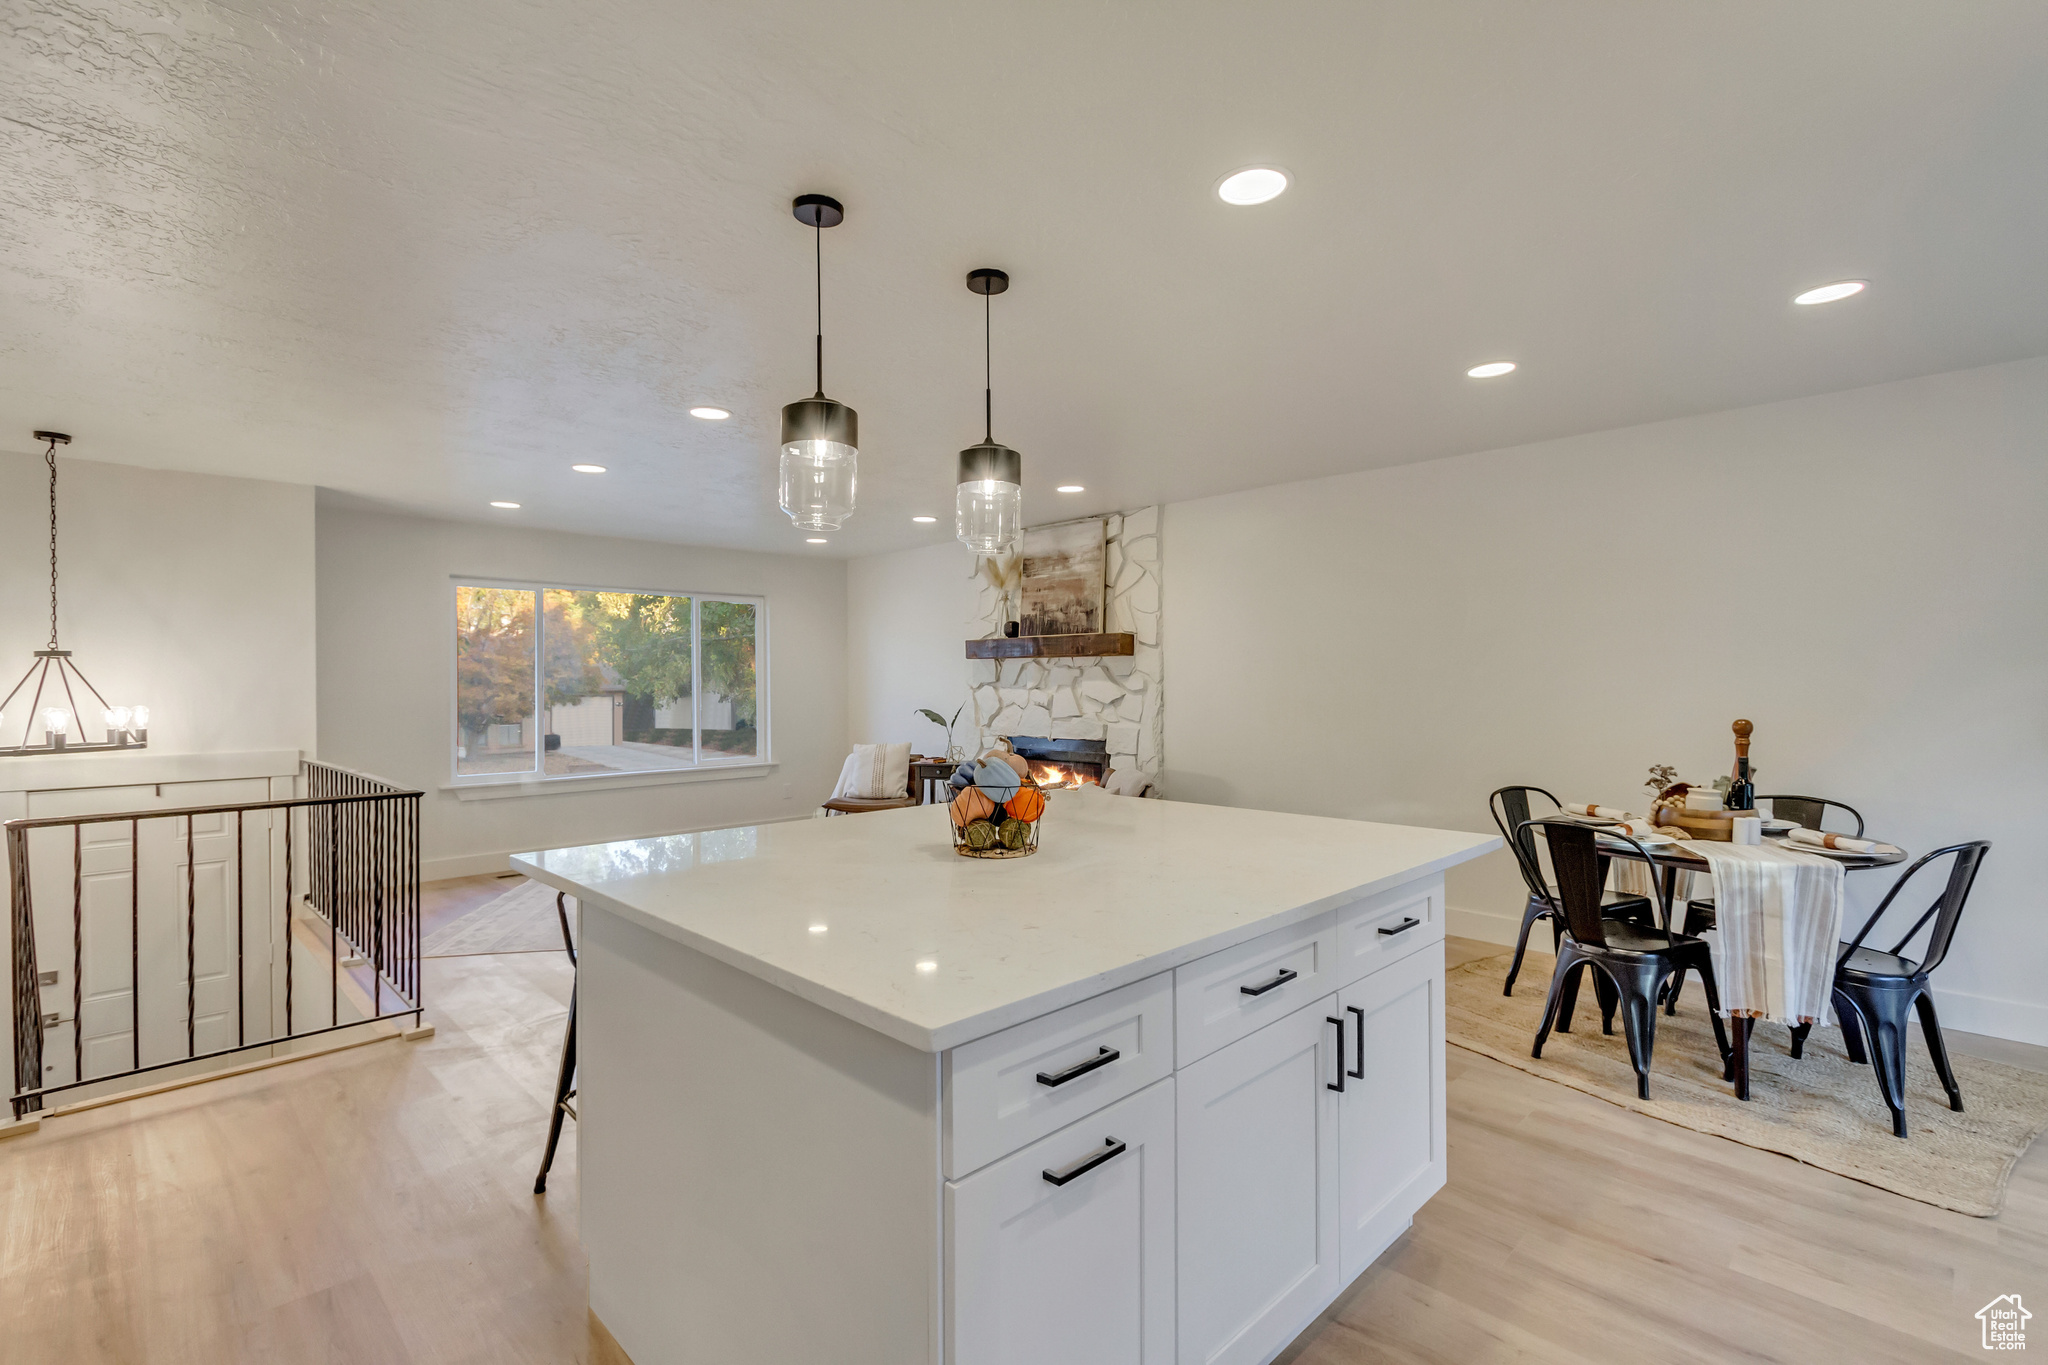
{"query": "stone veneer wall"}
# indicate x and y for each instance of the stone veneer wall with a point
(1113, 699)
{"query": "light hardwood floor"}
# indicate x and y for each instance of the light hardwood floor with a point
(1573, 1231)
(375, 1208)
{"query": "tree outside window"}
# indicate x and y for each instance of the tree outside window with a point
(620, 674)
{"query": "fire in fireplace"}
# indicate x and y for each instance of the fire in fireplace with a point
(1063, 762)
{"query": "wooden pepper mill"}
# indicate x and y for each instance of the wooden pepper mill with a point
(1741, 791)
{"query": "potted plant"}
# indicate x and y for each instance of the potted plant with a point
(953, 754)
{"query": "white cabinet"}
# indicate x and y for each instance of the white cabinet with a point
(1382, 929)
(1258, 1199)
(1012, 1087)
(1063, 1252)
(1391, 1111)
(1220, 998)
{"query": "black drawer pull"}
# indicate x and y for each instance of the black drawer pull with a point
(1358, 1074)
(1338, 1084)
(1112, 1148)
(1264, 986)
(1079, 1069)
(1403, 927)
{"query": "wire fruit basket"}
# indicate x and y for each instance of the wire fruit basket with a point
(984, 827)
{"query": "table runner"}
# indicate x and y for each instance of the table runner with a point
(1779, 920)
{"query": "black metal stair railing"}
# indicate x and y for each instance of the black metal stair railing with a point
(350, 854)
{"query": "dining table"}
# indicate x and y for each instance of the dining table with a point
(1670, 859)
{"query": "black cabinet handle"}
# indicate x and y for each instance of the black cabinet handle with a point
(1264, 986)
(1111, 1149)
(1338, 1084)
(1403, 927)
(1359, 1074)
(1079, 1069)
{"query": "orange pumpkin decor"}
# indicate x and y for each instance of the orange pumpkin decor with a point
(970, 805)
(1027, 805)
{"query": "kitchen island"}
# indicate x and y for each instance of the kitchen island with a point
(1156, 1093)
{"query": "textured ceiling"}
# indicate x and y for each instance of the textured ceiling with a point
(428, 254)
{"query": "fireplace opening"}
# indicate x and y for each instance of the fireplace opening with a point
(1063, 762)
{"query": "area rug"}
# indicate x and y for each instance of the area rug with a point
(1822, 1109)
(523, 920)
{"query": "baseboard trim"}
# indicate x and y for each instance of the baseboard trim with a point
(2019, 1021)
(476, 864)
(604, 1347)
(383, 1032)
(1485, 925)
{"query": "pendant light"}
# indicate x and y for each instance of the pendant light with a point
(988, 506)
(126, 727)
(820, 437)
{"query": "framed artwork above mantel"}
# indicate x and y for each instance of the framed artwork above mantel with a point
(1060, 579)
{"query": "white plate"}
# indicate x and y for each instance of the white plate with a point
(1780, 826)
(1646, 840)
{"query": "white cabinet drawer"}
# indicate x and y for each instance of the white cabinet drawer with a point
(1063, 1253)
(1387, 927)
(1016, 1086)
(1224, 996)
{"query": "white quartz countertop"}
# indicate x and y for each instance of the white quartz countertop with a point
(876, 918)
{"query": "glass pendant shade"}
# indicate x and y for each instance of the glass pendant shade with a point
(988, 505)
(820, 462)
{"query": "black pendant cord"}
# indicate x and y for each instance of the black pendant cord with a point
(50, 458)
(988, 376)
(818, 238)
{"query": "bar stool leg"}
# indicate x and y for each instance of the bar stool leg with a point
(565, 1088)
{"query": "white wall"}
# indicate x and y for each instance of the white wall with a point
(385, 585)
(908, 618)
(190, 593)
(1394, 645)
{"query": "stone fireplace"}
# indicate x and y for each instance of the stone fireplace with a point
(1116, 701)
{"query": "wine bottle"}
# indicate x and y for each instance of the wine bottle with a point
(1741, 791)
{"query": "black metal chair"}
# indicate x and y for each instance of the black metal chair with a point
(1874, 991)
(1807, 811)
(1634, 959)
(1510, 810)
(565, 1079)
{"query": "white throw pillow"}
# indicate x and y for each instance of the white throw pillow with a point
(879, 771)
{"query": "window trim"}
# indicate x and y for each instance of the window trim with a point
(536, 781)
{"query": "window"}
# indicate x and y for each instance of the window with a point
(571, 682)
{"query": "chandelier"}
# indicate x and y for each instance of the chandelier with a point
(127, 727)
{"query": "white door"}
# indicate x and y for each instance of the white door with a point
(1392, 1110)
(1078, 1272)
(120, 905)
(1256, 1150)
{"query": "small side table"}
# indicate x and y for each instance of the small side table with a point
(928, 778)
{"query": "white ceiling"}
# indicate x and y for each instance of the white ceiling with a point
(429, 254)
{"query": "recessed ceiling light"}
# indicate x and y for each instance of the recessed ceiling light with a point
(817, 928)
(815, 540)
(927, 966)
(710, 414)
(508, 506)
(1252, 185)
(1070, 488)
(588, 468)
(924, 518)
(1828, 293)
(1491, 370)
